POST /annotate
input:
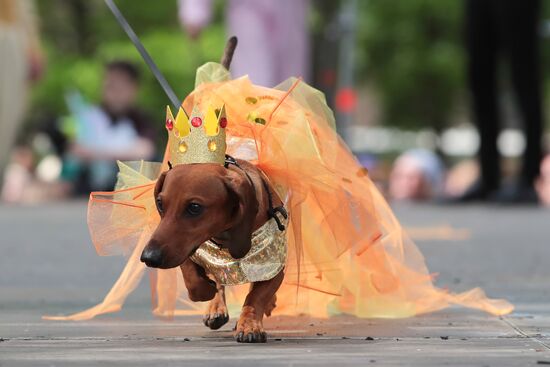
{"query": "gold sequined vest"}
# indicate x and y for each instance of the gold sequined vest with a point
(266, 258)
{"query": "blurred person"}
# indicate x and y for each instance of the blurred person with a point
(115, 130)
(18, 175)
(461, 177)
(23, 186)
(505, 28)
(273, 36)
(543, 182)
(21, 61)
(416, 175)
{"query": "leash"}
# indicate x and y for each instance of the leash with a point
(271, 211)
(144, 54)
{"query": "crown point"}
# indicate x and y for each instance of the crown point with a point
(182, 123)
(223, 122)
(196, 122)
(169, 119)
(169, 124)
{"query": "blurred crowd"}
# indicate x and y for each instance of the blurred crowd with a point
(71, 155)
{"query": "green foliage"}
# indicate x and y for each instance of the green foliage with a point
(80, 36)
(413, 53)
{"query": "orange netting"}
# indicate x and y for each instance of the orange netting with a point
(347, 251)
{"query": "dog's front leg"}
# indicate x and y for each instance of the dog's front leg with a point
(199, 286)
(216, 314)
(259, 300)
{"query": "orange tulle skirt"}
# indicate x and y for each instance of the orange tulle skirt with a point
(347, 253)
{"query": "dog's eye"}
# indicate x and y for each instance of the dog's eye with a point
(194, 209)
(158, 201)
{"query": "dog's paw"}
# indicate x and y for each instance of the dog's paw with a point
(252, 333)
(217, 314)
(216, 320)
(249, 329)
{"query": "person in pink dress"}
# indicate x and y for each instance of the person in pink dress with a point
(273, 36)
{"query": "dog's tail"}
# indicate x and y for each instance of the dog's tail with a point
(230, 47)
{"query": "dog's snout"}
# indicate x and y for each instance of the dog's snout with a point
(152, 256)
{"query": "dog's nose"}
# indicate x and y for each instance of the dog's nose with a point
(152, 256)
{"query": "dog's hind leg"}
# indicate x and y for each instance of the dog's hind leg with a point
(216, 314)
(260, 300)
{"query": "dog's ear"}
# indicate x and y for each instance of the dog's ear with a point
(244, 209)
(160, 182)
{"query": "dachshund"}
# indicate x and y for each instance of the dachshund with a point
(200, 202)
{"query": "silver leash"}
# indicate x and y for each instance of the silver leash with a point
(144, 54)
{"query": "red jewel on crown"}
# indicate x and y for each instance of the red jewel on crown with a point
(223, 122)
(169, 124)
(196, 121)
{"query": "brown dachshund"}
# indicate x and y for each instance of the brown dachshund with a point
(199, 202)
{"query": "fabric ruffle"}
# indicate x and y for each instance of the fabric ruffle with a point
(347, 253)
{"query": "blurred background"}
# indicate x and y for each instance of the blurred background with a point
(423, 90)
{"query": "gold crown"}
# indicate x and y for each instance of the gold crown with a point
(199, 138)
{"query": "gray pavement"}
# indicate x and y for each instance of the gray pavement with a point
(48, 266)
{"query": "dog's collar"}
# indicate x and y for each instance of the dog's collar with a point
(266, 258)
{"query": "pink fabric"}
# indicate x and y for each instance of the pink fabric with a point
(195, 12)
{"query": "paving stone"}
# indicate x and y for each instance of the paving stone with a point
(49, 266)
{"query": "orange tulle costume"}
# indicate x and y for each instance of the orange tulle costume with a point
(347, 253)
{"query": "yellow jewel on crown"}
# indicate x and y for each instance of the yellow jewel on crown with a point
(199, 138)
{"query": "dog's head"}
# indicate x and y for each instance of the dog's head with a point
(197, 202)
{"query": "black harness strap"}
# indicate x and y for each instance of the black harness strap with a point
(271, 211)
